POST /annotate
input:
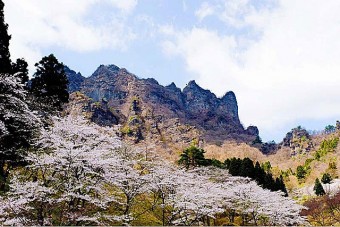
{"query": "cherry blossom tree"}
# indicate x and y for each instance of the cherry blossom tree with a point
(130, 179)
(195, 197)
(81, 174)
(18, 124)
(255, 203)
(64, 180)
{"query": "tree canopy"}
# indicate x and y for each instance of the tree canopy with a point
(18, 123)
(318, 189)
(326, 178)
(5, 61)
(192, 157)
(80, 174)
(49, 84)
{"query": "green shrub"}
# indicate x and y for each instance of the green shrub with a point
(326, 146)
(126, 130)
(300, 172)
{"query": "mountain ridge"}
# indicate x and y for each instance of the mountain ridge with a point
(153, 104)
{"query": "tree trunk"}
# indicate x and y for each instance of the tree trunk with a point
(254, 218)
(163, 212)
(40, 215)
(3, 175)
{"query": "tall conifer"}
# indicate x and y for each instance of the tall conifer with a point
(318, 189)
(5, 61)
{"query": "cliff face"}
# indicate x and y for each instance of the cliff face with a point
(75, 80)
(148, 106)
(298, 141)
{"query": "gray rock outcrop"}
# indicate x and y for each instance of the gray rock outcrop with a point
(216, 118)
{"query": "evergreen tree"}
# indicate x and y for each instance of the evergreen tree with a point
(259, 173)
(266, 166)
(318, 189)
(300, 172)
(49, 84)
(329, 129)
(247, 168)
(20, 69)
(235, 166)
(18, 124)
(279, 185)
(227, 163)
(214, 162)
(326, 178)
(269, 182)
(5, 61)
(192, 157)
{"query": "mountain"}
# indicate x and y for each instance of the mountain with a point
(144, 106)
(75, 79)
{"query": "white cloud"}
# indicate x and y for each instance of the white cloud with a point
(291, 72)
(234, 10)
(236, 13)
(38, 24)
(125, 5)
(204, 11)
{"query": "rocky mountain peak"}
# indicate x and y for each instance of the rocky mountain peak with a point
(194, 91)
(151, 81)
(229, 97)
(75, 79)
(192, 83)
(298, 140)
(215, 118)
(173, 87)
(107, 70)
(193, 86)
(113, 67)
(229, 102)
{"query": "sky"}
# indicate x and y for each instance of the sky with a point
(280, 57)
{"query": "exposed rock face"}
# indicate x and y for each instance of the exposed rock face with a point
(149, 107)
(252, 130)
(75, 79)
(102, 115)
(298, 140)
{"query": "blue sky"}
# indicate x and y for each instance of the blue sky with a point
(280, 57)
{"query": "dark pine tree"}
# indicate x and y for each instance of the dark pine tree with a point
(192, 157)
(326, 178)
(20, 69)
(269, 182)
(318, 189)
(259, 173)
(300, 172)
(247, 168)
(227, 163)
(235, 166)
(279, 185)
(214, 162)
(49, 84)
(5, 61)
(282, 185)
